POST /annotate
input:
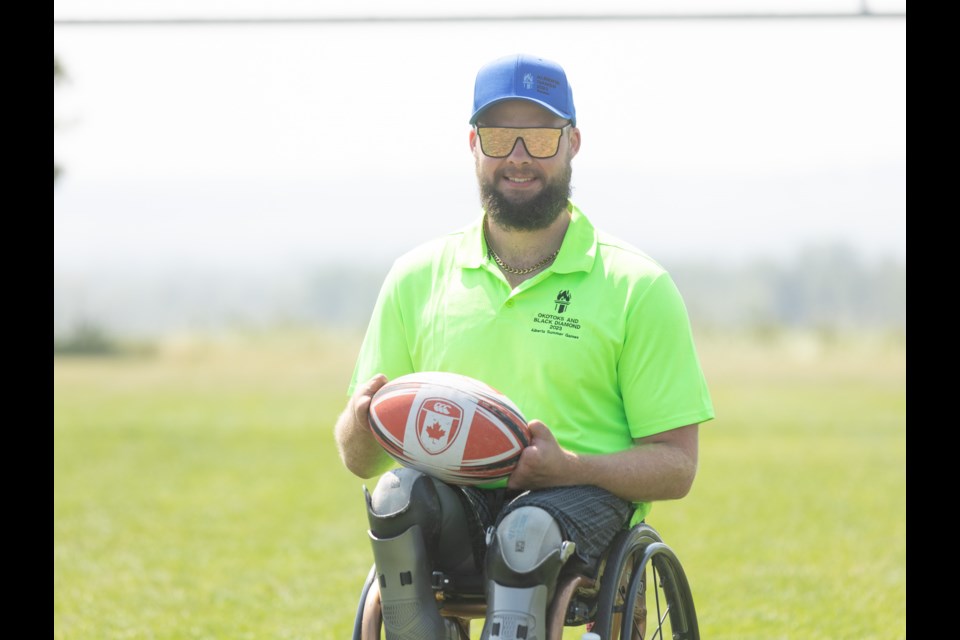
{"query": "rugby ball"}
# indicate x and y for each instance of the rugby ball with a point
(449, 426)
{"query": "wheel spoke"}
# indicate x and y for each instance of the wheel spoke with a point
(656, 598)
(660, 620)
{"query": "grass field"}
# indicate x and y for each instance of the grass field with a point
(198, 494)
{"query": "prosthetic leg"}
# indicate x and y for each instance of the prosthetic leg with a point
(524, 558)
(407, 513)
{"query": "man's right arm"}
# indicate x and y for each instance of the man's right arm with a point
(359, 451)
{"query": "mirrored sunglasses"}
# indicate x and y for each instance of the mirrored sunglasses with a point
(540, 142)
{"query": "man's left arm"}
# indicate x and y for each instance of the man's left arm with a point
(658, 467)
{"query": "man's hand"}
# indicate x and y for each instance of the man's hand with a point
(359, 403)
(544, 463)
(359, 451)
(658, 467)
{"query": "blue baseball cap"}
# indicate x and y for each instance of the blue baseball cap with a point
(523, 77)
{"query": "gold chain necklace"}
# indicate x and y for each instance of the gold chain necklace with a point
(521, 272)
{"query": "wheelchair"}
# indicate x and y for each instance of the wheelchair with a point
(639, 592)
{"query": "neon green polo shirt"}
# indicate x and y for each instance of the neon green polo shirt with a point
(598, 346)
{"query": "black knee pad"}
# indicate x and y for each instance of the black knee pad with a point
(405, 497)
(402, 498)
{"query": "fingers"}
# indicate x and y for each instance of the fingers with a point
(539, 431)
(364, 392)
(543, 463)
(372, 385)
(531, 458)
(363, 395)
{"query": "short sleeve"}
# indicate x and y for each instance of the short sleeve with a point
(661, 379)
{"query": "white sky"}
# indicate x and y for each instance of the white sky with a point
(272, 145)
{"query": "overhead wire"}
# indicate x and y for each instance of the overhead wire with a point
(864, 13)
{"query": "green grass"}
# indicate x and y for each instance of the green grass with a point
(796, 526)
(198, 494)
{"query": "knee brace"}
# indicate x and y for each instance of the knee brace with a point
(524, 558)
(406, 515)
(403, 498)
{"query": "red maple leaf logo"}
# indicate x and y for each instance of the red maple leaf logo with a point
(434, 431)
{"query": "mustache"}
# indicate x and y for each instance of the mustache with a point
(530, 172)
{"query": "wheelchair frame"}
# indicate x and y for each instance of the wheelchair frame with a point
(601, 604)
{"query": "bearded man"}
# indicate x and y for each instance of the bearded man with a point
(581, 330)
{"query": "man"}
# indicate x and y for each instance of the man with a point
(587, 335)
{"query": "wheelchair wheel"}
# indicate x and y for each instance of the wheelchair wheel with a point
(358, 621)
(644, 593)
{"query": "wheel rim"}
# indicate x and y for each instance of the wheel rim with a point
(649, 590)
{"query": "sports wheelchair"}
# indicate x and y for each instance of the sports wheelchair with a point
(640, 591)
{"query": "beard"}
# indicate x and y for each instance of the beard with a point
(537, 212)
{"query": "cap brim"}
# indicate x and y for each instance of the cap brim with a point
(551, 109)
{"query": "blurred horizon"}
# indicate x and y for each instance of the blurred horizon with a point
(829, 289)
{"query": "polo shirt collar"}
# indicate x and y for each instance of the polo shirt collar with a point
(579, 249)
(577, 253)
(473, 248)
